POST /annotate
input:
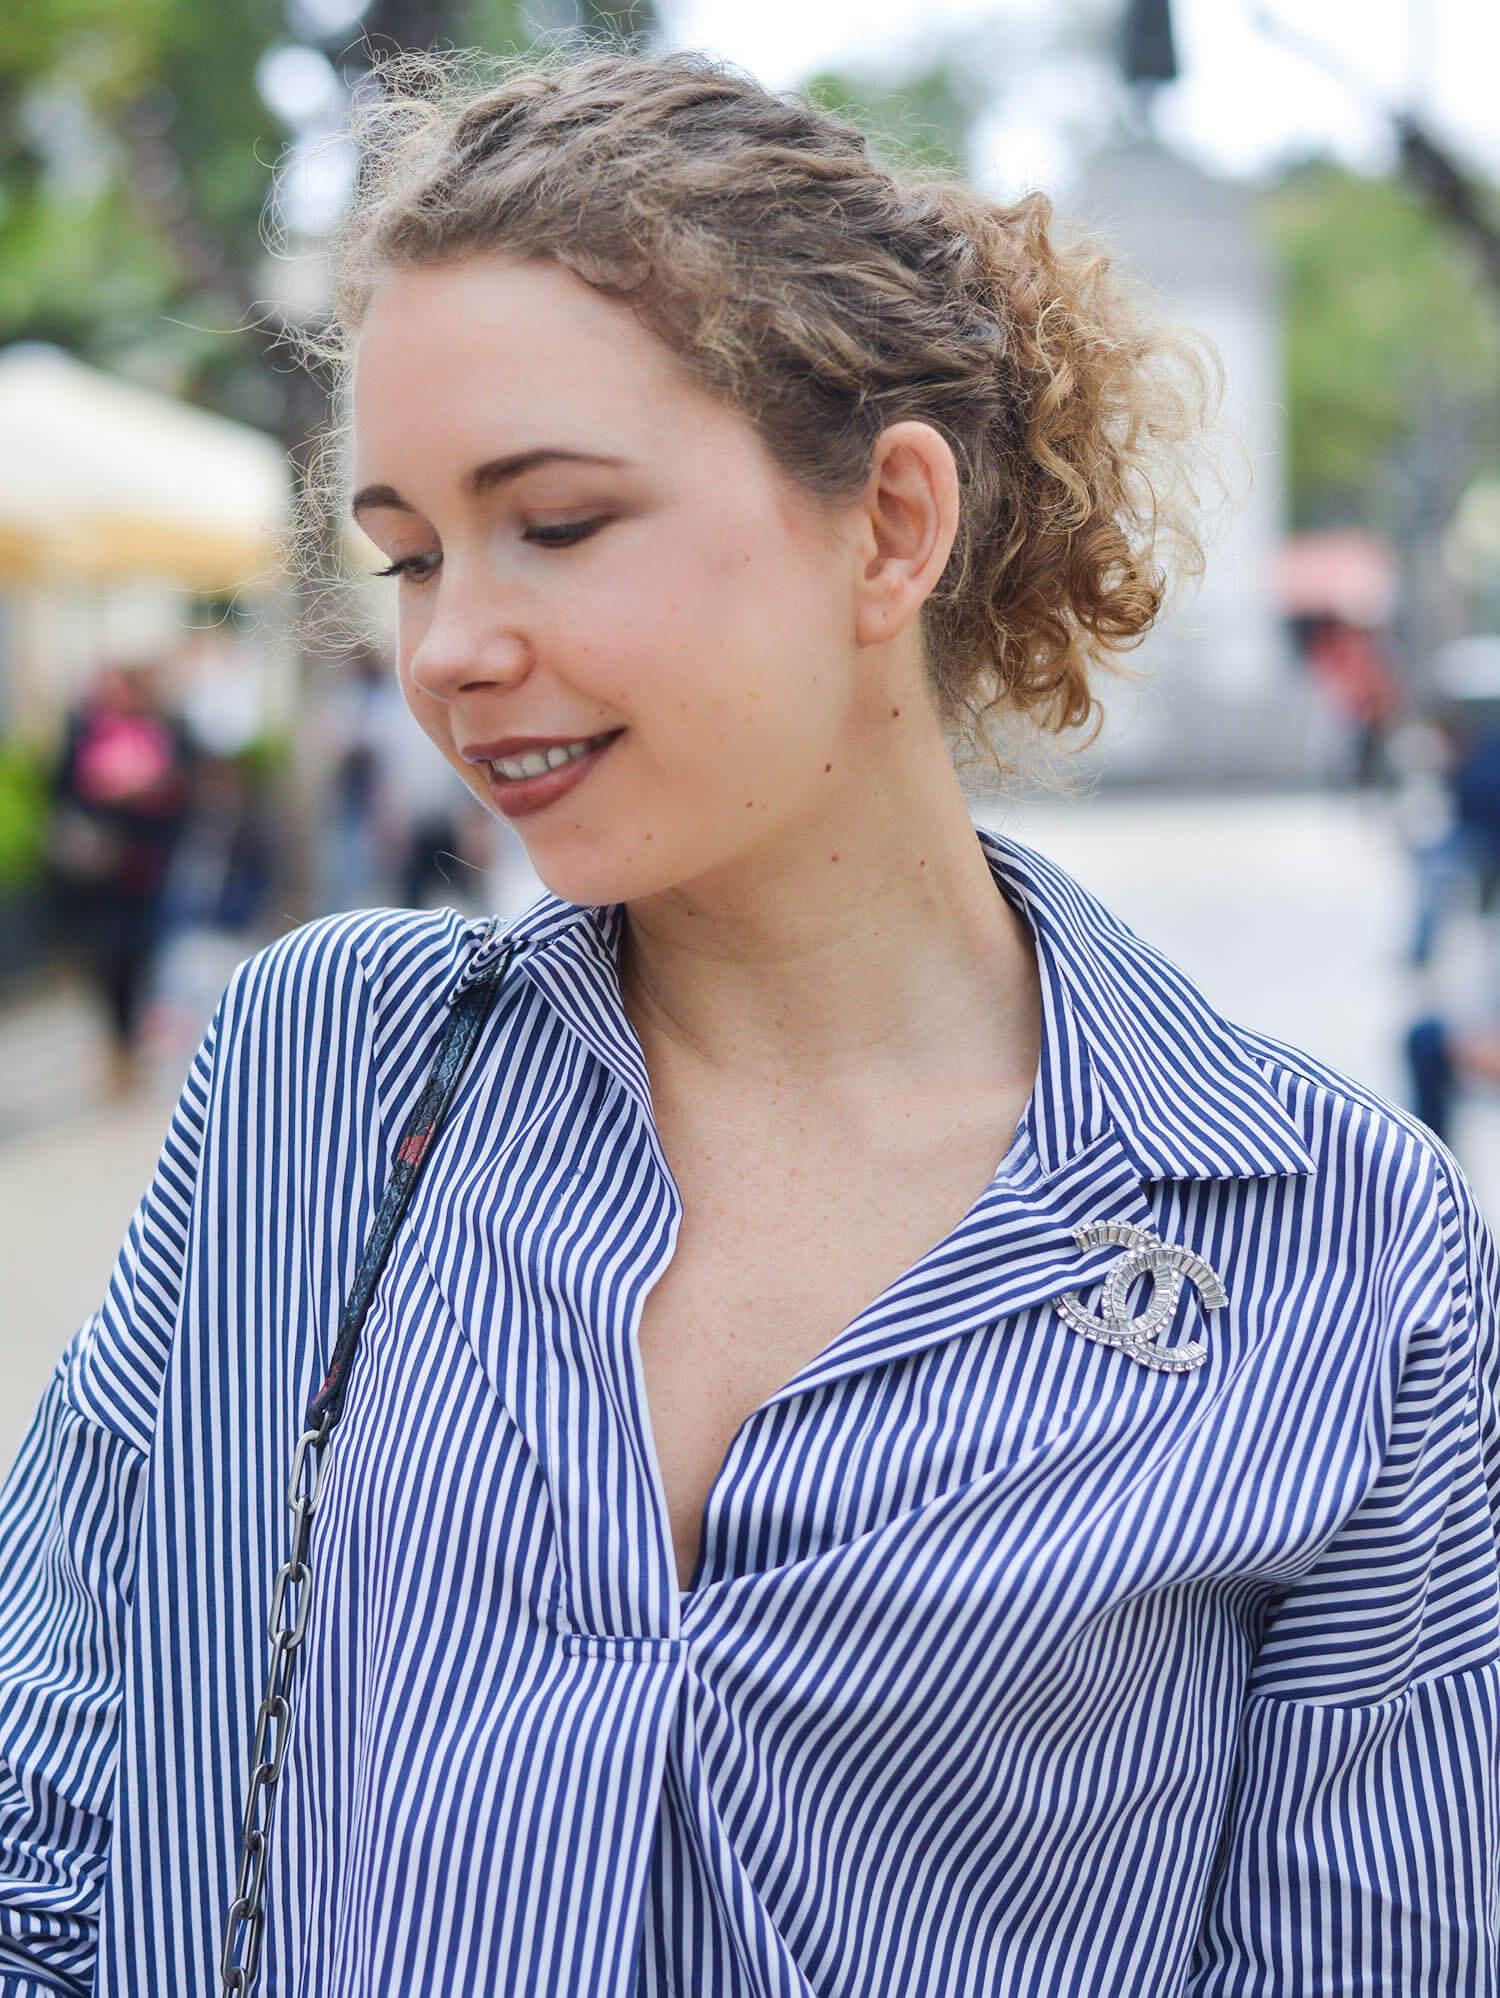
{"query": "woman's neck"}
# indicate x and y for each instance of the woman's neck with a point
(877, 945)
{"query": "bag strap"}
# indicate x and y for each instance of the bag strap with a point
(291, 1591)
(465, 1018)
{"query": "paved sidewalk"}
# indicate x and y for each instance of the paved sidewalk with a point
(74, 1163)
(1290, 913)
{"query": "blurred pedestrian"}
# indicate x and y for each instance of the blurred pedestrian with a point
(806, 1416)
(395, 805)
(224, 860)
(1461, 858)
(1447, 1054)
(1350, 664)
(353, 720)
(120, 792)
(423, 805)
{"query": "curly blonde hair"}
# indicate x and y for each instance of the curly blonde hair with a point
(824, 296)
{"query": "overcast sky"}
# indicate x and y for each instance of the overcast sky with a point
(1242, 103)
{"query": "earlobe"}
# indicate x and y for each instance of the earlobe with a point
(911, 520)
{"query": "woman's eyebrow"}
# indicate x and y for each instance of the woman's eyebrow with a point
(372, 496)
(484, 478)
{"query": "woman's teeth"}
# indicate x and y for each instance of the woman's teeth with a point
(535, 761)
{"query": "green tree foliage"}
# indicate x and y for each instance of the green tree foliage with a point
(23, 815)
(498, 25)
(136, 158)
(1389, 326)
(923, 120)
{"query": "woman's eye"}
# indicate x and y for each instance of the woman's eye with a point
(411, 568)
(562, 533)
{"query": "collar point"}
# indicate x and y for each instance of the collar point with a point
(1288, 1159)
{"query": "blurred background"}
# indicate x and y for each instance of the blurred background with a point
(1300, 802)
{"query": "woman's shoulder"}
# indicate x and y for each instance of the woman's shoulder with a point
(427, 945)
(1205, 1098)
(351, 975)
(1326, 1104)
(1383, 1214)
(1384, 1205)
(1371, 1157)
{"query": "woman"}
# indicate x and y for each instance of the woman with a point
(893, 1451)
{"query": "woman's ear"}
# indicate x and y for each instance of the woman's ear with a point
(910, 519)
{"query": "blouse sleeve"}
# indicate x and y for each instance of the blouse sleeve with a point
(69, 1514)
(1361, 1850)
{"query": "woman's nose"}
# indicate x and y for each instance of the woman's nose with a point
(470, 642)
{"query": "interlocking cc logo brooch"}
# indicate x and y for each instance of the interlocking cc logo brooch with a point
(1167, 1266)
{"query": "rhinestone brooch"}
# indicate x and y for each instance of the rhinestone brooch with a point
(1168, 1267)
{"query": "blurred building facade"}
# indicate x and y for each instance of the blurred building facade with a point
(1225, 697)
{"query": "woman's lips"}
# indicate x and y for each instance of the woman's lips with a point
(519, 797)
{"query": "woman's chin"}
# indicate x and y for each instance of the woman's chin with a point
(594, 876)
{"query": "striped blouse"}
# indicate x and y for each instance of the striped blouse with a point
(1012, 1666)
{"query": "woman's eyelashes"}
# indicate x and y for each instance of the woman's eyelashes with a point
(563, 533)
(413, 568)
(540, 534)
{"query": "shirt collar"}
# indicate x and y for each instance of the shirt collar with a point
(1128, 1042)
(1177, 1081)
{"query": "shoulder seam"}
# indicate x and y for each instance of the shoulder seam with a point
(1413, 1685)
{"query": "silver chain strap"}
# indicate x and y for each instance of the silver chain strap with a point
(291, 1592)
(291, 1598)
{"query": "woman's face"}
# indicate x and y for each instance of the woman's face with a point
(598, 560)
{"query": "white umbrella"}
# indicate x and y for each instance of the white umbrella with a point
(102, 480)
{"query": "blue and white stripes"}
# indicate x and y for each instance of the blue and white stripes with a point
(1011, 1669)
